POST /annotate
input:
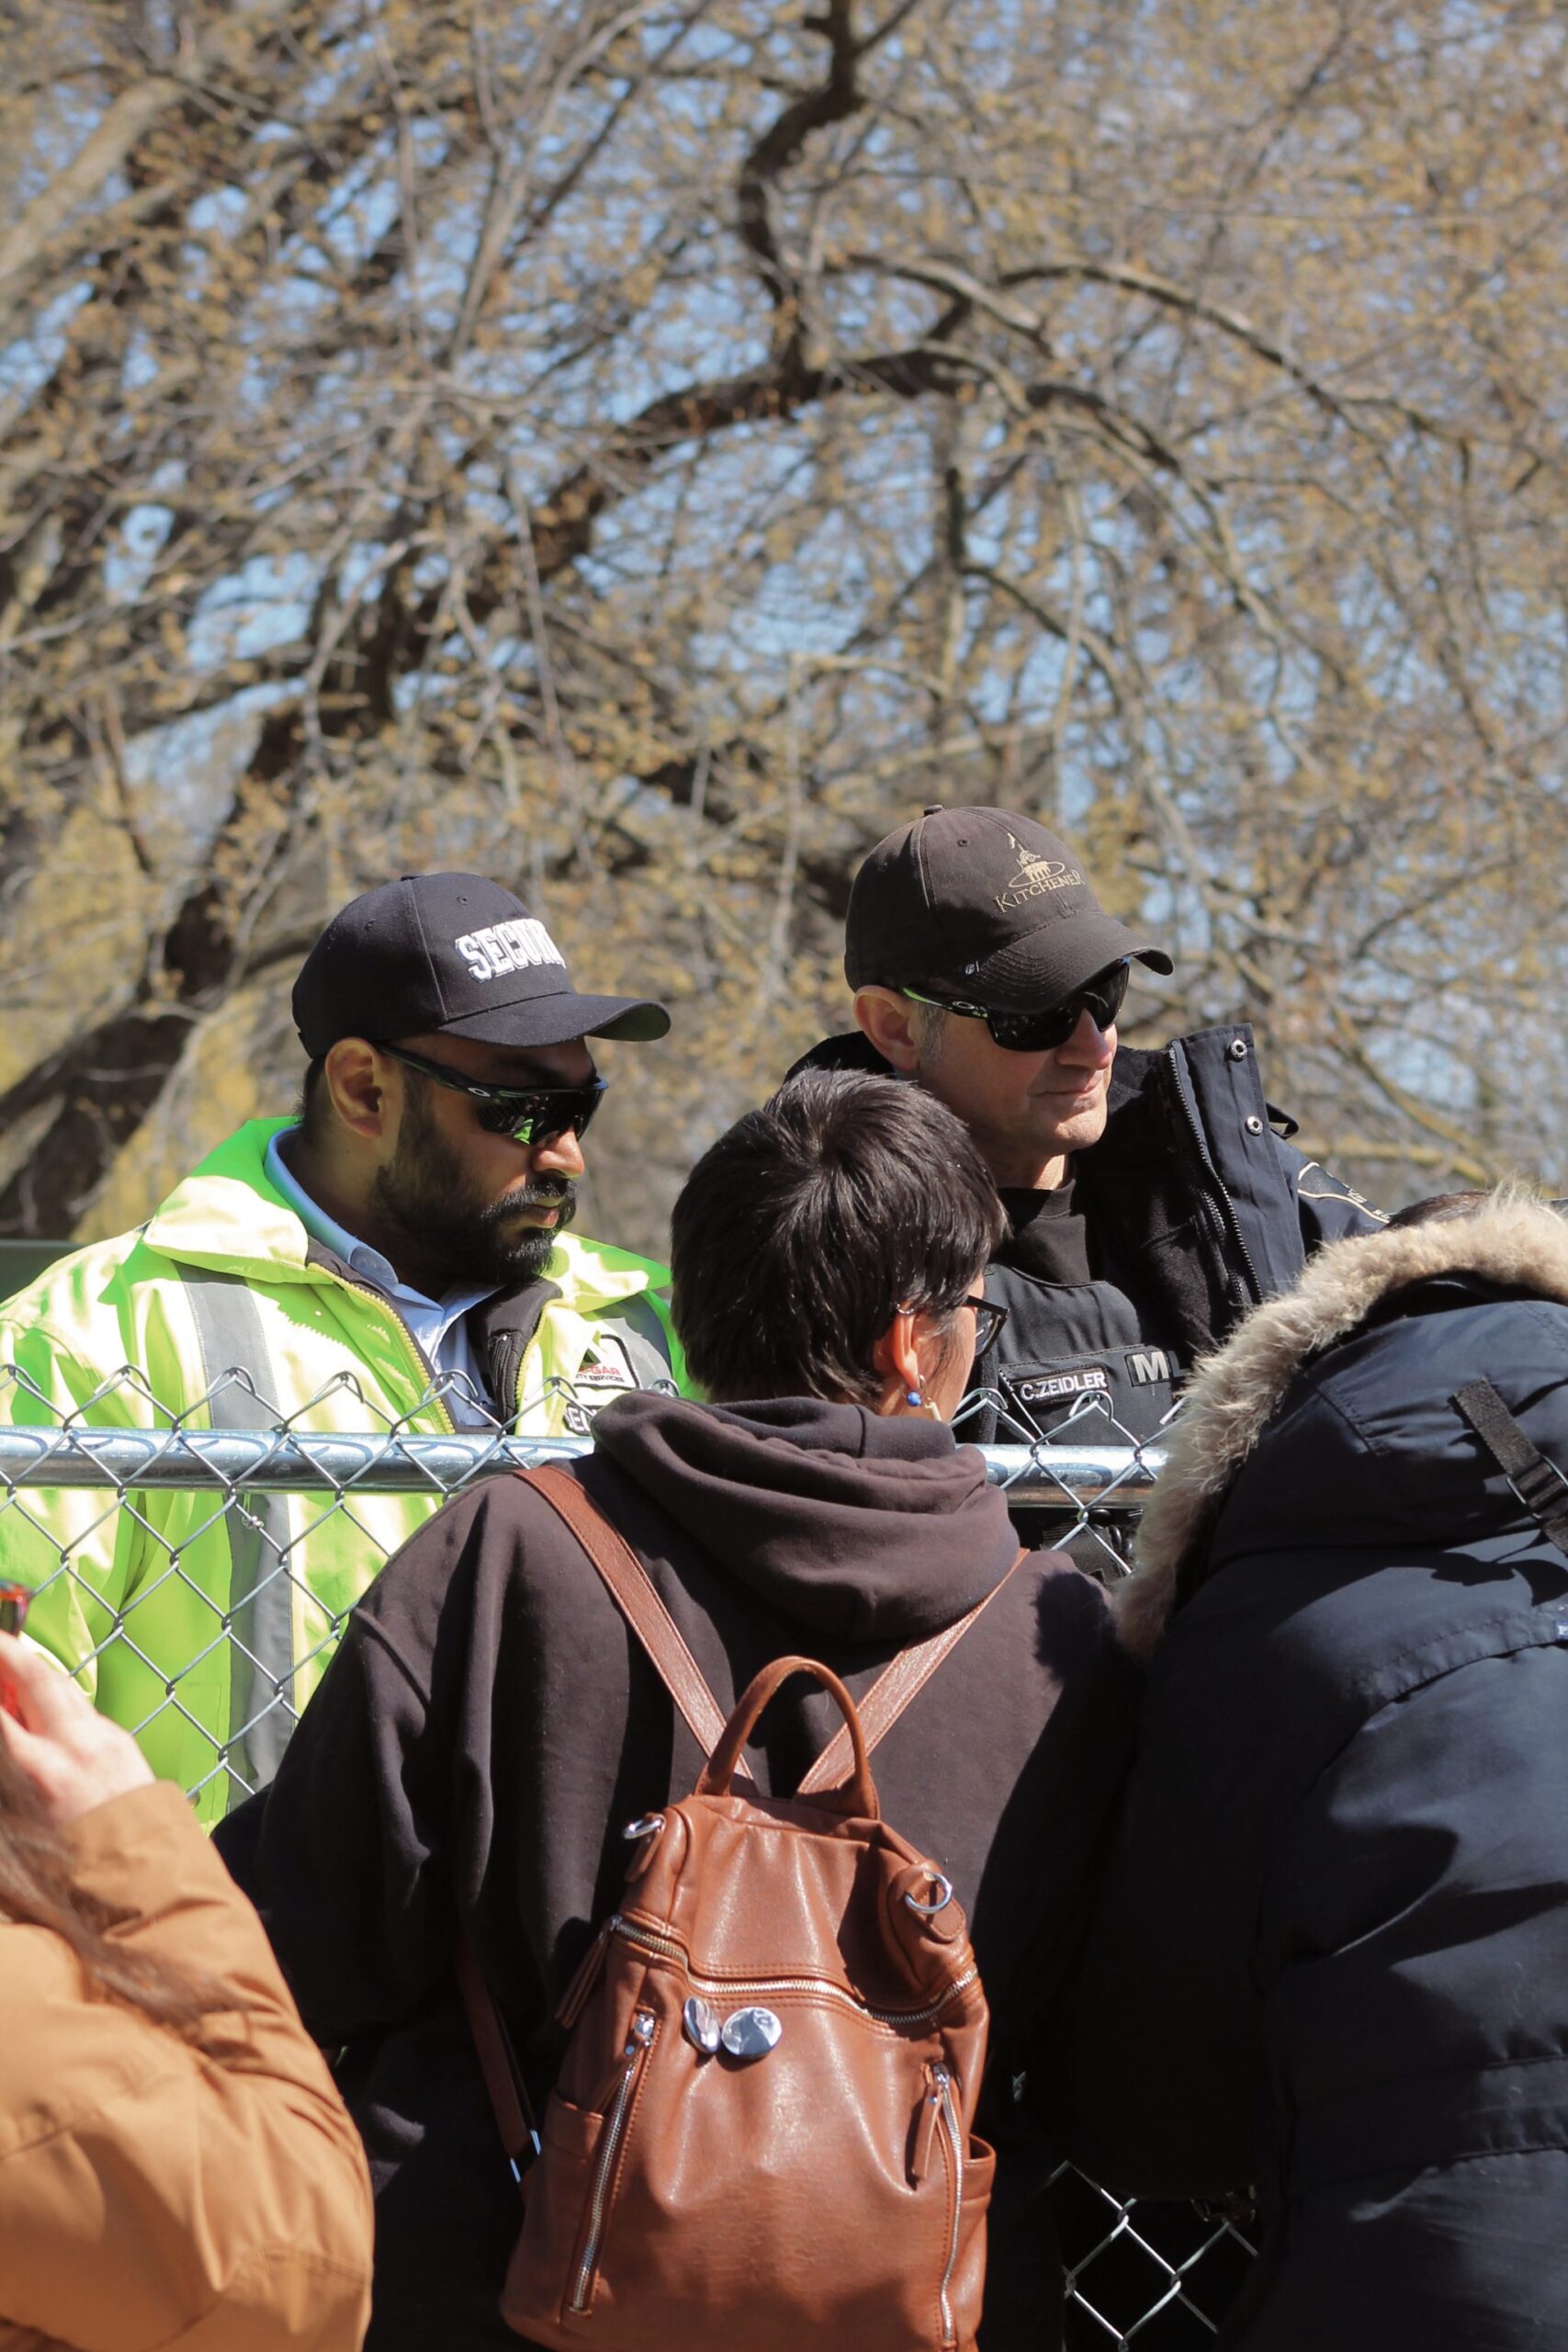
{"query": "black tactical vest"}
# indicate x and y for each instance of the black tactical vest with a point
(1082, 1353)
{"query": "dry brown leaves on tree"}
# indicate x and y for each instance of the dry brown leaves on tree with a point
(645, 451)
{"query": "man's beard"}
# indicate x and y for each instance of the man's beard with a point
(427, 1193)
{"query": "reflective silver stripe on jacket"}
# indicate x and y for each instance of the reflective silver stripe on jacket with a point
(241, 1390)
(635, 1323)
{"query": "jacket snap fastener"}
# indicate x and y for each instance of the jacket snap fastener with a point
(750, 2033)
(1255, 1125)
(1237, 1049)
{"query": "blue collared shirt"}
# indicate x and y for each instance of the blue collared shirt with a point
(437, 1325)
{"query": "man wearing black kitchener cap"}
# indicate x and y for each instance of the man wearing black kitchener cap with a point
(398, 1259)
(1151, 1196)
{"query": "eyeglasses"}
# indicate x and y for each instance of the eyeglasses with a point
(531, 1114)
(1038, 1032)
(988, 1321)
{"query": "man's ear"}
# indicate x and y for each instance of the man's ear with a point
(889, 1020)
(354, 1077)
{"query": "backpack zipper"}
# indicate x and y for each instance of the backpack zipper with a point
(670, 1948)
(942, 2082)
(639, 2042)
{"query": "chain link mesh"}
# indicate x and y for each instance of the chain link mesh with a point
(194, 1566)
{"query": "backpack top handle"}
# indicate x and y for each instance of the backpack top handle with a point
(855, 1794)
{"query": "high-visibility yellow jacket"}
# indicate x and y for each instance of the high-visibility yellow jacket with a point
(205, 1628)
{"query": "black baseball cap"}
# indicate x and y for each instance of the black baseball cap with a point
(456, 952)
(983, 905)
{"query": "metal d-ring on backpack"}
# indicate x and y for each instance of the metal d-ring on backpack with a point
(760, 2134)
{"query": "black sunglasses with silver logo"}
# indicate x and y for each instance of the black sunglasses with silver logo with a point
(529, 1115)
(1038, 1032)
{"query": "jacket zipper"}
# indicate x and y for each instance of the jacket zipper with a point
(511, 1380)
(1229, 1222)
(669, 1948)
(421, 1363)
(639, 2042)
(943, 2084)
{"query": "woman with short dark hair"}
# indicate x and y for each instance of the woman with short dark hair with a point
(490, 1724)
(803, 1234)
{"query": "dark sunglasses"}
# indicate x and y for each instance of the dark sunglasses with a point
(529, 1115)
(1037, 1032)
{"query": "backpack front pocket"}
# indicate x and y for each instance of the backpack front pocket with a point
(554, 2195)
(964, 2279)
(603, 2165)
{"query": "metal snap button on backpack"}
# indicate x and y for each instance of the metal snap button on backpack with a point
(750, 2033)
(700, 2024)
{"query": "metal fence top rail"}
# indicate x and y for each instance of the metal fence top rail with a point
(1107, 1478)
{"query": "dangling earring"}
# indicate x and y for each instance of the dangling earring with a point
(913, 1397)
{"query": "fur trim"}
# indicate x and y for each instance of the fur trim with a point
(1516, 1240)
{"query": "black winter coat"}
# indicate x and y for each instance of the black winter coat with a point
(490, 1725)
(1330, 1957)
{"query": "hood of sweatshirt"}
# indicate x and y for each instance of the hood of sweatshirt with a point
(866, 1529)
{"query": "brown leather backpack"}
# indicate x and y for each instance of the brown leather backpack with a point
(761, 2132)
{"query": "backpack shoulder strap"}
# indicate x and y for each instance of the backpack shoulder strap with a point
(1536, 1482)
(498, 2062)
(892, 1692)
(635, 1596)
(634, 1592)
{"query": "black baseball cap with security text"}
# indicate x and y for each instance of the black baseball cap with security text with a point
(982, 905)
(457, 952)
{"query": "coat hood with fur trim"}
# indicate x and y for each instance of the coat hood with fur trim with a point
(1328, 1417)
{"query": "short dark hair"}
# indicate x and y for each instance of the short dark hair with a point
(798, 1236)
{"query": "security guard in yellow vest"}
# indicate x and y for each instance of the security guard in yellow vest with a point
(397, 1260)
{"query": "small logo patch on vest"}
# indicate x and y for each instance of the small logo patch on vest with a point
(1051, 1387)
(1148, 1367)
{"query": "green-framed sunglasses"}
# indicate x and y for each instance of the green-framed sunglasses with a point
(528, 1114)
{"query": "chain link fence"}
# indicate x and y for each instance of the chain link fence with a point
(195, 1566)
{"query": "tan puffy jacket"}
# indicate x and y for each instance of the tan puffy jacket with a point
(151, 2196)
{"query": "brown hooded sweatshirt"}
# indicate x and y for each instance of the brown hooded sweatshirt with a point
(151, 2195)
(490, 1725)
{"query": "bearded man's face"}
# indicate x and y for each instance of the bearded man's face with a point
(434, 1189)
